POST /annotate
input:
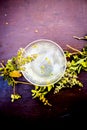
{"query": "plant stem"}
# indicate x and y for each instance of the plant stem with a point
(14, 90)
(74, 49)
(2, 65)
(21, 82)
(79, 38)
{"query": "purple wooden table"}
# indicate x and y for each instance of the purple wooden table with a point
(23, 21)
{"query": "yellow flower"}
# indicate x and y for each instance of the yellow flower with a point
(15, 96)
(48, 60)
(15, 74)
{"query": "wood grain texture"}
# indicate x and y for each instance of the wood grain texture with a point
(24, 21)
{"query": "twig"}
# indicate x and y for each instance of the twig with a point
(14, 91)
(74, 49)
(79, 38)
(22, 82)
(2, 65)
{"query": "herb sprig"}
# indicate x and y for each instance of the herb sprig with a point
(76, 62)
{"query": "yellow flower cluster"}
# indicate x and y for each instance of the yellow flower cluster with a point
(15, 74)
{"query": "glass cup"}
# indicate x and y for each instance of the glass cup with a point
(49, 65)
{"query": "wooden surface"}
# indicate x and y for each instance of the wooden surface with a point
(22, 22)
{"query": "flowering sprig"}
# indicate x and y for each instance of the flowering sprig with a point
(11, 71)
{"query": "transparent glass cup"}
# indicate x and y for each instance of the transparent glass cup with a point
(49, 65)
